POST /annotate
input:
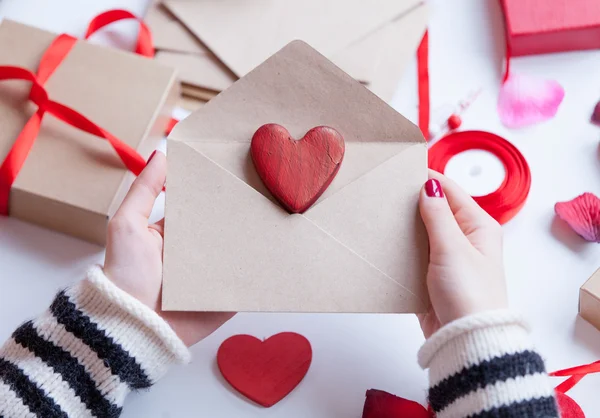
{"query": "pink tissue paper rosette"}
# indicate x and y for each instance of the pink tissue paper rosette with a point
(582, 214)
(526, 100)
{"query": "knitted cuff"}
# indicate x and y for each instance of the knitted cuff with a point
(83, 356)
(473, 339)
(486, 364)
(138, 329)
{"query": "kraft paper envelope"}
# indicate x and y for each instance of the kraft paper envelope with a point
(168, 33)
(198, 70)
(379, 59)
(401, 40)
(244, 33)
(229, 247)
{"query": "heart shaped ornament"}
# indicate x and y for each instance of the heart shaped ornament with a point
(526, 100)
(265, 371)
(297, 172)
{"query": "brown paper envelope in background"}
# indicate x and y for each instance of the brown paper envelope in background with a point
(198, 70)
(168, 33)
(362, 58)
(197, 93)
(360, 248)
(400, 45)
(243, 34)
(379, 59)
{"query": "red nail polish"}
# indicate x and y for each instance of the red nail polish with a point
(433, 188)
(151, 155)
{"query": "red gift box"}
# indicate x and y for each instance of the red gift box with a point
(544, 26)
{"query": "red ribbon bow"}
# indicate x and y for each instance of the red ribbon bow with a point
(52, 58)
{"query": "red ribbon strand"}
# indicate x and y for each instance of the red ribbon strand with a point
(52, 58)
(144, 45)
(423, 77)
(575, 375)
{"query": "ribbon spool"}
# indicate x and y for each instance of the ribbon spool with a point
(504, 203)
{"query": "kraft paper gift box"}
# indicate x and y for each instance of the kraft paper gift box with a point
(72, 181)
(589, 300)
(371, 41)
(543, 26)
(230, 247)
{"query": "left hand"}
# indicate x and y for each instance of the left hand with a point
(134, 252)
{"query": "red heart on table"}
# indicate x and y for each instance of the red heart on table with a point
(380, 404)
(265, 371)
(297, 172)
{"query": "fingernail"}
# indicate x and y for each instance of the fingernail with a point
(151, 156)
(433, 188)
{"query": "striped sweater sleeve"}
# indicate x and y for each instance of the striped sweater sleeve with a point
(82, 357)
(485, 366)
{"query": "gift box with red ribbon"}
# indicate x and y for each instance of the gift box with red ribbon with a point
(76, 120)
(544, 26)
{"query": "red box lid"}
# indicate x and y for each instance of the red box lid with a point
(540, 26)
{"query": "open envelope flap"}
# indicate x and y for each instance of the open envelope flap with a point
(229, 249)
(244, 33)
(299, 89)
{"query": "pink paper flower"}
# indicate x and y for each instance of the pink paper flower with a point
(526, 100)
(582, 214)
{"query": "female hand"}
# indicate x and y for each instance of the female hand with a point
(134, 252)
(466, 273)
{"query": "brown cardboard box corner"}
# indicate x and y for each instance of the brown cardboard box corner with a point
(589, 300)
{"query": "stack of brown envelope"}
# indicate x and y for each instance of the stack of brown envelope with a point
(214, 42)
(202, 75)
(230, 247)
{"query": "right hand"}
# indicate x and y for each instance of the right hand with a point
(466, 273)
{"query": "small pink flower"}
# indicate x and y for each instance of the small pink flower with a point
(526, 100)
(582, 214)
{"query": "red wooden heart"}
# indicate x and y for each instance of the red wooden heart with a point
(380, 404)
(297, 172)
(265, 371)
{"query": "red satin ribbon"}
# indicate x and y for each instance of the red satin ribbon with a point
(423, 77)
(504, 203)
(144, 45)
(171, 125)
(52, 58)
(575, 375)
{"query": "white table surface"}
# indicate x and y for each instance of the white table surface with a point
(545, 262)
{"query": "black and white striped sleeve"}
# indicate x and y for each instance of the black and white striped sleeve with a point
(485, 366)
(82, 357)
